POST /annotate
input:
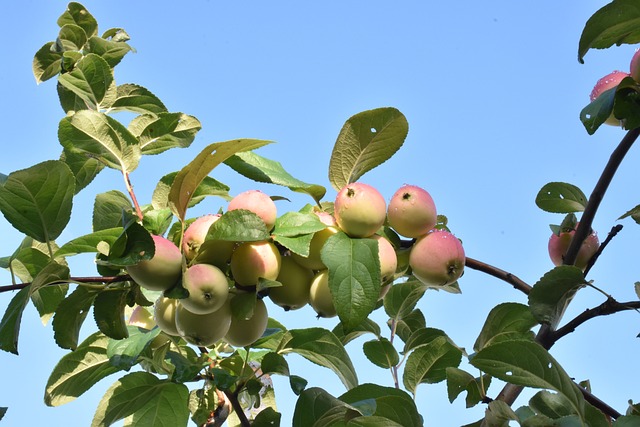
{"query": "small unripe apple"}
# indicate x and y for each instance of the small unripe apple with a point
(141, 318)
(161, 272)
(388, 259)
(252, 260)
(207, 286)
(257, 202)
(196, 248)
(244, 332)
(411, 211)
(320, 295)
(314, 261)
(360, 210)
(203, 329)
(437, 258)
(296, 283)
(607, 82)
(634, 67)
(164, 314)
(559, 244)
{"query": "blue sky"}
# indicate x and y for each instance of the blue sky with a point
(492, 93)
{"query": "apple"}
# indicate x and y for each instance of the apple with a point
(437, 258)
(203, 330)
(161, 272)
(296, 283)
(411, 211)
(634, 67)
(559, 244)
(607, 82)
(195, 248)
(320, 295)
(360, 210)
(257, 202)
(207, 286)
(388, 258)
(141, 318)
(244, 332)
(164, 314)
(251, 261)
(313, 261)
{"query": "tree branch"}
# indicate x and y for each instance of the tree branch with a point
(105, 280)
(498, 273)
(237, 407)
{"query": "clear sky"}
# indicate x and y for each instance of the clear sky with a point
(492, 92)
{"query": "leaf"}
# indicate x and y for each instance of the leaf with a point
(46, 63)
(354, 276)
(77, 14)
(381, 353)
(124, 353)
(391, 403)
(293, 224)
(70, 315)
(78, 371)
(111, 51)
(71, 37)
(322, 348)
(506, 321)
(84, 168)
(162, 131)
(598, 111)
(366, 140)
(102, 137)
(551, 294)
(528, 364)
(428, 363)
(261, 169)
(137, 99)
(459, 381)
(367, 326)
(10, 324)
(108, 311)
(152, 402)
(408, 325)
(239, 225)
(37, 201)
(45, 297)
(89, 80)
(312, 405)
(422, 336)
(112, 209)
(92, 242)
(616, 23)
(560, 197)
(402, 298)
(190, 177)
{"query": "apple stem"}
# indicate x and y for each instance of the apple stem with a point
(129, 187)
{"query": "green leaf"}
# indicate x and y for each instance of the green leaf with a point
(551, 405)
(46, 63)
(124, 353)
(190, 177)
(261, 169)
(45, 297)
(77, 14)
(274, 363)
(459, 381)
(391, 403)
(598, 111)
(322, 348)
(137, 99)
(70, 315)
(78, 371)
(498, 414)
(10, 324)
(292, 224)
(553, 292)
(627, 421)
(208, 187)
(267, 417)
(428, 363)
(408, 325)
(298, 244)
(528, 364)
(111, 51)
(3, 410)
(366, 140)
(71, 37)
(627, 103)
(112, 209)
(37, 201)
(616, 23)
(402, 298)
(151, 401)
(367, 326)
(84, 168)
(381, 353)
(354, 276)
(239, 225)
(506, 321)
(102, 137)
(162, 131)
(420, 337)
(108, 311)
(90, 80)
(312, 405)
(100, 241)
(560, 197)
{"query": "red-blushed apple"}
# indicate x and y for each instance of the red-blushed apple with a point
(207, 286)
(634, 67)
(388, 263)
(244, 332)
(607, 82)
(203, 330)
(320, 295)
(360, 210)
(251, 261)
(559, 244)
(437, 258)
(164, 314)
(296, 283)
(198, 250)
(257, 202)
(411, 211)
(313, 261)
(161, 272)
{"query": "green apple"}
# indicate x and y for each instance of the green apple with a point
(257, 202)
(244, 332)
(141, 318)
(161, 272)
(164, 314)
(251, 261)
(203, 330)
(296, 283)
(411, 211)
(207, 286)
(320, 295)
(360, 210)
(437, 258)
(634, 67)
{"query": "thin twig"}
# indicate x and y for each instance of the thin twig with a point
(512, 279)
(106, 280)
(614, 231)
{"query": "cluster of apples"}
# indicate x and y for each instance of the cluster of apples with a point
(613, 79)
(213, 272)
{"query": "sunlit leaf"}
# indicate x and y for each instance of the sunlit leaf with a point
(46, 63)
(506, 321)
(70, 315)
(79, 15)
(135, 98)
(162, 131)
(90, 80)
(428, 363)
(10, 324)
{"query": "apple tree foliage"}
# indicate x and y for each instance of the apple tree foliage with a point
(174, 382)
